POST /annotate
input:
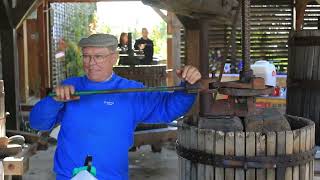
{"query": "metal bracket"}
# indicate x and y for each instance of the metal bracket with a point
(246, 162)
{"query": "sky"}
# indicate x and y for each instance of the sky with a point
(121, 16)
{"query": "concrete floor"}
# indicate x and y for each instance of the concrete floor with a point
(144, 165)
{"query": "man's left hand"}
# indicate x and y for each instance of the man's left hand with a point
(189, 73)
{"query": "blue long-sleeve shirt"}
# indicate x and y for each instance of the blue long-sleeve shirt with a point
(103, 125)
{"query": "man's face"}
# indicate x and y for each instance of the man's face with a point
(144, 33)
(98, 62)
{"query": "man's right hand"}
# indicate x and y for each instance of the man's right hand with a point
(65, 93)
(142, 46)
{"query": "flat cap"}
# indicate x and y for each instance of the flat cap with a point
(99, 40)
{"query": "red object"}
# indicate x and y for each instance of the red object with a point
(276, 91)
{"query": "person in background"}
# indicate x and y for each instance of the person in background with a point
(123, 41)
(123, 46)
(145, 44)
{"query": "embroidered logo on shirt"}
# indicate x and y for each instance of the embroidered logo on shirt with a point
(109, 103)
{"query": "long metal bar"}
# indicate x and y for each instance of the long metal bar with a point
(148, 89)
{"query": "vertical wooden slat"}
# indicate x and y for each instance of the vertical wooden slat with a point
(289, 150)
(194, 145)
(250, 151)
(2, 111)
(179, 158)
(271, 151)
(201, 147)
(229, 150)
(184, 142)
(312, 146)
(239, 151)
(281, 149)
(261, 151)
(181, 142)
(219, 172)
(308, 147)
(302, 172)
(210, 148)
(188, 146)
(296, 149)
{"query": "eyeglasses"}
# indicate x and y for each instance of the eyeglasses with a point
(98, 58)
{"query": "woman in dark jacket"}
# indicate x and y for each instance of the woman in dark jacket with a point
(123, 41)
(123, 46)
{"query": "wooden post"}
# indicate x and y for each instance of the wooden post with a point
(192, 48)
(23, 82)
(173, 47)
(43, 25)
(10, 75)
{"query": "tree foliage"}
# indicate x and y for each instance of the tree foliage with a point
(159, 37)
(82, 23)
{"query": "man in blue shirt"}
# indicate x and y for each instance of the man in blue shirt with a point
(103, 125)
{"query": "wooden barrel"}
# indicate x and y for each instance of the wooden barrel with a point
(2, 111)
(149, 75)
(206, 154)
(303, 94)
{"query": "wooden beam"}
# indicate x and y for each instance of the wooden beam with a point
(189, 23)
(170, 75)
(25, 63)
(300, 6)
(43, 41)
(22, 10)
(160, 13)
(22, 80)
(173, 47)
(192, 47)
